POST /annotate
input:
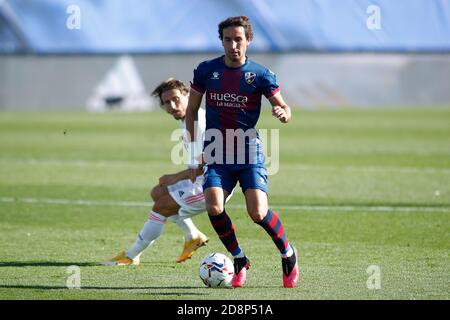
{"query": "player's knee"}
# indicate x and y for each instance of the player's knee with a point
(161, 208)
(214, 209)
(152, 194)
(257, 215)
(157, 207)
(155, 193)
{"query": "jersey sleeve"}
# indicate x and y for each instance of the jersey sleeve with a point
(269, 86)
(198, 83)
(201, 128)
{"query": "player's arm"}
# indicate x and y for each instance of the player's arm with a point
(280, 109)
(169, 179)
(195, 99)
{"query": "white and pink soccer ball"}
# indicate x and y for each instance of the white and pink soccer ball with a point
(216, 270)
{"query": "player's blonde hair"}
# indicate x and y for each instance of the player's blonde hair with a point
(169, 84)
(239, 21)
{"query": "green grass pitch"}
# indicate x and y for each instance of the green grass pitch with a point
(355, 188)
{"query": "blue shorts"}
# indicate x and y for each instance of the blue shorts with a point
(226, 177)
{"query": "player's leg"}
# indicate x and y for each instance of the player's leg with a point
(191, 199)
(164, 207)
(187, 226)
(192, 243)
(218, 185)
(257, 208)
(193, 237)
(220, 221)
(157, 192)
(254, 184)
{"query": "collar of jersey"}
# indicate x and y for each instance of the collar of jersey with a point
(233, 68)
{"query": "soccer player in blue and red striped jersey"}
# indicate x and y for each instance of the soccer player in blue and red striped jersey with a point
(233, 86)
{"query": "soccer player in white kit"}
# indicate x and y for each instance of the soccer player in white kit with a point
(176, 196)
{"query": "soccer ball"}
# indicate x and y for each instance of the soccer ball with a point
(216, 270)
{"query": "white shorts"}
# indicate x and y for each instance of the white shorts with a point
(189, 196)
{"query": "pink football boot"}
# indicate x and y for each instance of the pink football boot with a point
(239, 278)
(290, 280)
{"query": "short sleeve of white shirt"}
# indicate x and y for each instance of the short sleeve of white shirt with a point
(201, 126)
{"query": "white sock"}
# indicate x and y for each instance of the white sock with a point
(151, 230)
(289, 252)
(188, 227)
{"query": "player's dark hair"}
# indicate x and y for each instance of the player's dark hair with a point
(240, 21)
(169, 84)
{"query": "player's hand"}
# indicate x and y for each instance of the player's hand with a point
(167, 180)
(193, 174)
(280, 113)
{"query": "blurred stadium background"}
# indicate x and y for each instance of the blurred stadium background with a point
(325, 53)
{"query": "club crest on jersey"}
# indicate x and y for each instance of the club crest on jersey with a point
(215, 75)
(250, 77)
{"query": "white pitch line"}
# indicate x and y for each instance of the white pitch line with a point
(298, 166)
(75, 163)
(77, 202)
(345, 208)
(396, 169)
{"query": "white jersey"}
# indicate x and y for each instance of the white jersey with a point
(201, 127)
(188, 194)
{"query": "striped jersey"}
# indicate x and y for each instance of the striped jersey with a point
(233, 100)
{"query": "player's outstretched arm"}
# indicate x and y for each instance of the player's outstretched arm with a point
(195, 99)
(280, 109)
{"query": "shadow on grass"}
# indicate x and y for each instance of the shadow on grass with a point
(39, 287)
(46, 264)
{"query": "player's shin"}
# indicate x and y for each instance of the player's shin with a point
(151, 230)
(273, 226)
(187, 226)
(224, 228)
(289, 261)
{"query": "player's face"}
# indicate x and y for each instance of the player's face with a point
(235, 44)
(175, 103)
